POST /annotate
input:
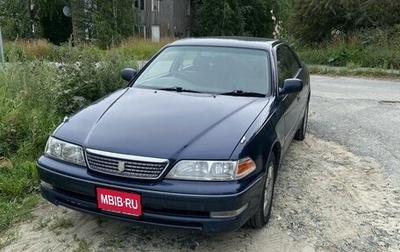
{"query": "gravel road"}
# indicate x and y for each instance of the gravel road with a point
(338, 190)
(363, 114)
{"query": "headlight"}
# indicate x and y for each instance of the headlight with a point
(65, 151)
(212, 170)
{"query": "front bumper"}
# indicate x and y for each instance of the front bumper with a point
(172, 203)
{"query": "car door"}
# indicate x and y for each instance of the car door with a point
(288, 67)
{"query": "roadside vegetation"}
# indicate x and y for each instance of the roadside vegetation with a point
(39, 85)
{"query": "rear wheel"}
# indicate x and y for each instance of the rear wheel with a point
(301, 132)
(261, 217)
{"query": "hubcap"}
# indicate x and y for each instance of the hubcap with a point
(269, 185)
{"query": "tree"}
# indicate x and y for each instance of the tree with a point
(79, 19)
(55, 25)
(101, 21)
(17, 18)
(113, 20)
(316, 20)
(258, 18)
(233, 17)
(219, 18)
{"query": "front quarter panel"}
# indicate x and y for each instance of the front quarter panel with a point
(259, 138)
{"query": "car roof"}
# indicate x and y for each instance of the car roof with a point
(240, 42)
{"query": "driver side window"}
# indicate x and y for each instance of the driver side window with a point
(288, 66)
(162, 66)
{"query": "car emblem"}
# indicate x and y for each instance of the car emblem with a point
(121, 166)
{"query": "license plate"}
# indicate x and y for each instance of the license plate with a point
(119, 202)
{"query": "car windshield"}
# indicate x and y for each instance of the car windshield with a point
(208, 69)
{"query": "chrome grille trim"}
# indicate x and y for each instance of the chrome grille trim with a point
(137, 167)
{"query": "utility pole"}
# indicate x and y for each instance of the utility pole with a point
(1, 48)
(223, 19)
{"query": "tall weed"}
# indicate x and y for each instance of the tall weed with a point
(374, 48)
(139, 49)
(27, 50)
(87, 80)
(26, 118)
(26, 114)
(34, 97)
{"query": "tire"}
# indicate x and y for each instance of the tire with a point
(263, 214)
(301, 132)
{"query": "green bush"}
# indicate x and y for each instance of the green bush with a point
(373, 48)
(316, 20)
(87, 80)
(36, 95)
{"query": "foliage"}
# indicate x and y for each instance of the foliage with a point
(284, 10)
(18, 208)
(372, 48)
(16, 19)
(129, 49)
(22, 50)
(317, 20)
(54, 25)
(86, 81)
(233, 18)
(34, 97)
(257, 18)
(220, 18)
(138, 48)
(113, 21)
(103, 21)
(26, 115)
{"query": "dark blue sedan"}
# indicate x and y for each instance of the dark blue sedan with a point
(194, 141)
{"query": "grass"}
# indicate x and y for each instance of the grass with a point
(139, 49)
(60, 223)
(370, 49)
(34, 97)
(26, 119)
(129, 50)
(17, 209)
(83, 244)
(7, 239)
(354, 71)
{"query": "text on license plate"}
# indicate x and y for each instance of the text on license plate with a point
(120, 202)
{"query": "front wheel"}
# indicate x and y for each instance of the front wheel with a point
(261, 217)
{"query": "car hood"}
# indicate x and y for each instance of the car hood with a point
(163, 124)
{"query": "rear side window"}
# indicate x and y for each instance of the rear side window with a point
(288, 65)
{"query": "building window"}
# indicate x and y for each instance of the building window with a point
(155, 5)
(139, 4)
(187, 8)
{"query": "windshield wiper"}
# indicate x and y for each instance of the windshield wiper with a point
(178, 89)
(243, 93)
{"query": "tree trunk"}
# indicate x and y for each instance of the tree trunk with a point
(28, 32)
(78, 20)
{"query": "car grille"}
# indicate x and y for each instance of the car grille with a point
(125, 165)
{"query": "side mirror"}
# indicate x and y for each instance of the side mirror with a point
(128, 73)
(291, 86)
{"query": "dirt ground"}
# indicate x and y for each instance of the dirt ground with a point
(326, 199)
